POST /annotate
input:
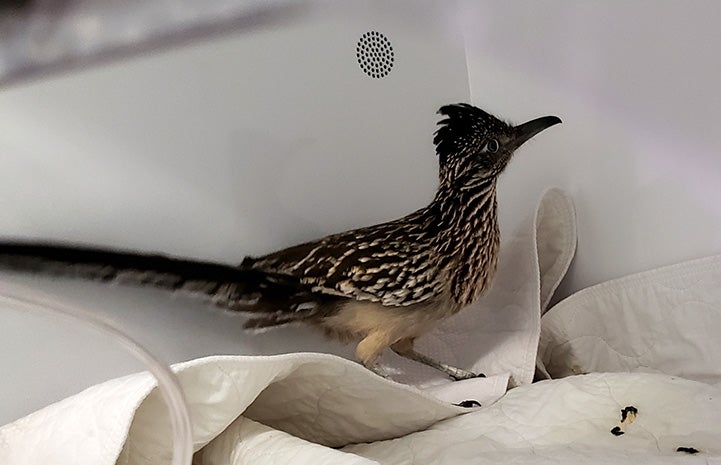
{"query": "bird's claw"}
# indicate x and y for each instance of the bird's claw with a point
(459, 375)
(377, 369)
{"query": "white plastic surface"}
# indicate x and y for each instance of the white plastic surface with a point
(235, 145)
(231, 145)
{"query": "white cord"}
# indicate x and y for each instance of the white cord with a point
(168, 384)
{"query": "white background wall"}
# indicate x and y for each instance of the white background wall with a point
(638, 86)
(181, 152)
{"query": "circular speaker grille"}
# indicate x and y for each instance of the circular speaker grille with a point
(375, 54)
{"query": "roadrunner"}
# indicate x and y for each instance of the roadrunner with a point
(382, 286)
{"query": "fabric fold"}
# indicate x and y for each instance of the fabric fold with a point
(499, 333)
(665, 320)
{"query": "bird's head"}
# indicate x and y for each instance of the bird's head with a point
(473, 145)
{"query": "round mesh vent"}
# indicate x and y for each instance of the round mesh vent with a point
(375, 54)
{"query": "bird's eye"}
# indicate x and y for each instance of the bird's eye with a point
(492, 146)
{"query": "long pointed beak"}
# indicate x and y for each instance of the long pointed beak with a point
(525, 131)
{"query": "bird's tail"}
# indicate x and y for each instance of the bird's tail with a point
(274, 299)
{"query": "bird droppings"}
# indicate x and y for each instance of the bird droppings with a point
(628, 416)
(469, 404)
(688, 450)
(616, 431)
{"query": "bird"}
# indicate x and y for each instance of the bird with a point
(380, 287)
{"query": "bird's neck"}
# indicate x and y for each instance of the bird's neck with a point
(465, 224)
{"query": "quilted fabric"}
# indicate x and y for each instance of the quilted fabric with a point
(568, 421)
(296, 405)
(315, 397)
(666, 320)
(264, 445)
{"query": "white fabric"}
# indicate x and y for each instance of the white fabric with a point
(666, 320)
(317, 397)
(568, 421)
(300, 403)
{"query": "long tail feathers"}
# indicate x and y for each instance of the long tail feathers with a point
(275, 299)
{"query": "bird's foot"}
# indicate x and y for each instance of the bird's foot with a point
(455, 373)
(377, 369)
(458, 374)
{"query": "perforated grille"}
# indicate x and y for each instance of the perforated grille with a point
(375, 54)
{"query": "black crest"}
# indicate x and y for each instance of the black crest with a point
(464, 130)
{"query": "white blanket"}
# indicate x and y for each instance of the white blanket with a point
(666, 320)
(321, 409)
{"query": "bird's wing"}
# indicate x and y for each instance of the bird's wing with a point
(390, 264)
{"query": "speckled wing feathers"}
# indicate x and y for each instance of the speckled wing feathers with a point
(392, 264)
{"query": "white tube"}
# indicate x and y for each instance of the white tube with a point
(168, 384)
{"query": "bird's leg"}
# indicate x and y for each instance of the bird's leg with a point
(369, 350)
(404, 348)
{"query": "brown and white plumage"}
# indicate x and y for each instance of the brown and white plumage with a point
(382, 285)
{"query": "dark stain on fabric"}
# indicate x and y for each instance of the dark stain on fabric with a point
(626, 411)
(468, 404)
(616, 431)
